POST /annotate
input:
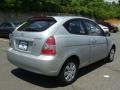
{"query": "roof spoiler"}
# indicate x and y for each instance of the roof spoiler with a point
(40, 17)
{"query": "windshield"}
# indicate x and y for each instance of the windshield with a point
(36, 25)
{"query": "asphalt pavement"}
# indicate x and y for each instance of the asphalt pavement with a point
(98, 76)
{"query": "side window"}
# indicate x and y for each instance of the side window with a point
(75, 27)
(93, 28)
(6, 25)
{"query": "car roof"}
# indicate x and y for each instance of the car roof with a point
(59, 18)
(102, 26)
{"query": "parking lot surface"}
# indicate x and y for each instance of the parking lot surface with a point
(98, 76)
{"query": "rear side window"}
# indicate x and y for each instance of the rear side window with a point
(36, 25)
(75, 27)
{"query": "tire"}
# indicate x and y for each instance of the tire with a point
(68, 73)
(111, 55)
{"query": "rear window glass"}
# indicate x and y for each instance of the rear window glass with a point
(36, 25)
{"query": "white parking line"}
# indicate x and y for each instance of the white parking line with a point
(107, 76)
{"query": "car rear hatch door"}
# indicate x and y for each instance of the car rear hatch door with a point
(29, 37)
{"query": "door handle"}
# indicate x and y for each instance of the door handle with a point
(93, 41)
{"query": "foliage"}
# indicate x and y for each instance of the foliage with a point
(92, 8)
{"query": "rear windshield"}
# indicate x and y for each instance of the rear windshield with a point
(36, 25)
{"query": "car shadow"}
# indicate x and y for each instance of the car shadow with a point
(51, 82)
(85, 70)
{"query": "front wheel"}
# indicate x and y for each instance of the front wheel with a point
(68, 73)
(111, 55)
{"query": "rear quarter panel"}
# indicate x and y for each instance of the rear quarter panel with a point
(70, 44)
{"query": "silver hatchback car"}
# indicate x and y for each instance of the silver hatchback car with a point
(59, 46)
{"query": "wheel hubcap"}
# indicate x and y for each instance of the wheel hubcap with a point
(70, 71)
(112, 53)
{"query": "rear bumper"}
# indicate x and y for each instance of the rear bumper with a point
(45, 65)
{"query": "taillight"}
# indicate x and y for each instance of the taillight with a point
(49, 47)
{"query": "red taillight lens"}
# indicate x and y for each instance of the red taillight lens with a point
(51, 40)
(49, 47)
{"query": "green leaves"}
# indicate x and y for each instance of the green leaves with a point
(92, 8)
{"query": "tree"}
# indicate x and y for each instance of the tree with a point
(2, 5)
(92, 8)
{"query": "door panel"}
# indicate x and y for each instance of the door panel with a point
(98, 42)
(98, 48)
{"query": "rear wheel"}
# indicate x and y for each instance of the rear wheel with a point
(68, 73)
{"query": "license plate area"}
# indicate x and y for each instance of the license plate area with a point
(23, 45)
